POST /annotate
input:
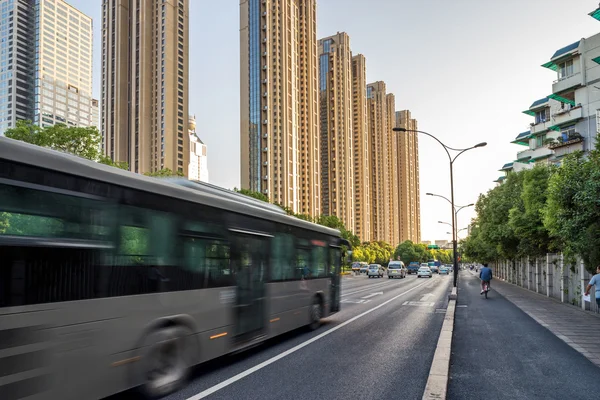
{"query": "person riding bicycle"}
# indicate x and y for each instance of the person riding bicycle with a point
(485, 274)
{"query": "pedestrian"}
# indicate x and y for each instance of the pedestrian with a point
(595, 281)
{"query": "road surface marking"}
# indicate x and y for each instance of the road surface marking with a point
(355, 301)
(426, 297)
(418, 303)
(371, 295)
(260, 366)
(371, 287)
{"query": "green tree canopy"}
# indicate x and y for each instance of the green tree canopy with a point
(80, 141)
(164, 173)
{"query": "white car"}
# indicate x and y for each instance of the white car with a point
(424, 271)
(375, 270)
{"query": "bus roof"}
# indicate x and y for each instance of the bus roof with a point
(202, 193)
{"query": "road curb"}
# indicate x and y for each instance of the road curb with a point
(437, 382)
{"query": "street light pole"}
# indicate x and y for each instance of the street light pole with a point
(451, 160)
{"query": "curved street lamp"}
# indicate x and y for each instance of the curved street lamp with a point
(451, 159)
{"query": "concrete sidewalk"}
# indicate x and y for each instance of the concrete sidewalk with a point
(579, 329)
(499, 352)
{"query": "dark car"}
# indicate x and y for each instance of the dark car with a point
(413, 267)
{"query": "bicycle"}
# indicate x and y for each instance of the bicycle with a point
(486, 288)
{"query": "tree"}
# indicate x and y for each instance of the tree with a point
(407, 252)
(250, 193)
(164, 173)
(80, 141)
(117, 164)
(572, 212)
(526, 217)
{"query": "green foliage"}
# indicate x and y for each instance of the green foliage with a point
(117, 164)
(572, 213)
(541, 210)
(256, 195)
(80, 141)
(164, 173)
(526, 217)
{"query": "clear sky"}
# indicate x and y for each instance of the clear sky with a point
(465, 68)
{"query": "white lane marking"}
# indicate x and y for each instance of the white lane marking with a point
(263, 364)
(355, 301)
(371, 287)
(371, 295)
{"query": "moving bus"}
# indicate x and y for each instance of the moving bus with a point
(111, 280)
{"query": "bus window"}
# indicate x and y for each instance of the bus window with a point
(283, 256)
(319, 261)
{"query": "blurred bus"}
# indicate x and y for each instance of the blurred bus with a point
(111, 280)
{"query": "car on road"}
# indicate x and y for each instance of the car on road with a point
(375, 270)
(357, 266)
(396, 269)
(444, 270)
(364, 268)
(412, 268)
(424, 271)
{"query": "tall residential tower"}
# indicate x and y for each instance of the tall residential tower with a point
(361, 149)
(337, 158)
(46, 57)
(145, 83)
(377, 110)
(409, 191)
(279, 102)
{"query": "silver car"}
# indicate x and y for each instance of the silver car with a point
(396, 269)
(375, 270)
(424, 272)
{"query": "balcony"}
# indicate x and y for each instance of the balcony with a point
(568, 82)
(567, 115)
(573, 144)
(520, 166)
(541, 127)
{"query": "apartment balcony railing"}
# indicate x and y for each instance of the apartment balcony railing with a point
(568, 82)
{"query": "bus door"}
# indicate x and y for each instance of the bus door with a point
(250, 257)
(335, 262)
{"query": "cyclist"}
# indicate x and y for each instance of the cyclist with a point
(485, 275)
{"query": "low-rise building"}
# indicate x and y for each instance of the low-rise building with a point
(568, 119)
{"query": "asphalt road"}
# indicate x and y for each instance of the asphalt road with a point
(499, 352)
(379, 346)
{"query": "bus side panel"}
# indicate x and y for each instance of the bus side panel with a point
(298, 296)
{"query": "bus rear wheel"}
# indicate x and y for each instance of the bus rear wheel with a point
(165, 364)
(316, 313)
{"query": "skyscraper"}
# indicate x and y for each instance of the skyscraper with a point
(409, 190)
(391, 139)
(377, 109)
(362, 151)
(279, 102)
(337, 158)
(46, 57)
(145, 83)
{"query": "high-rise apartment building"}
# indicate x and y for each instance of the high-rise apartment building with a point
(391, 138)
(337, 158)
(279, 102)
(198, 168)
(46, 64)
(409, 190)
(378, 138)
(145, 83)
(362, 151)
